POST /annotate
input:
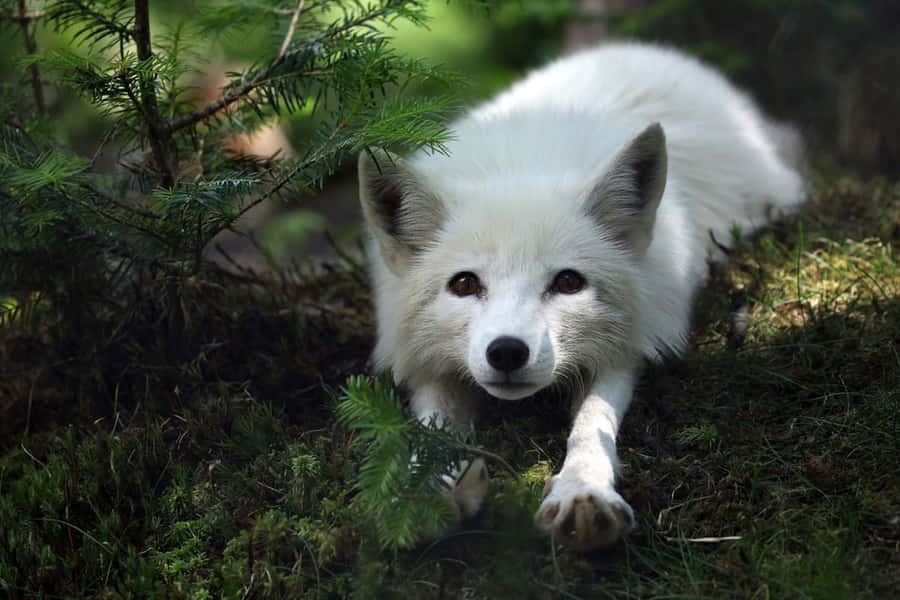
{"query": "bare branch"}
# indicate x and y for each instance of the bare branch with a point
(25, 16)
(705, 540)
(102, 145)
(158, 130)
(291, 28)
(25, 20)
(228, 98)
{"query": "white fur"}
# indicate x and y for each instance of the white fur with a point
(531, 186)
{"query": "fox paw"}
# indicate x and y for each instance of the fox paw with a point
(581, 515)
(468, 488)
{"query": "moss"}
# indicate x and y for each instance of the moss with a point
(236, 480)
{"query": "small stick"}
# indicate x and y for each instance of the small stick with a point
(25, 18)
(291, 28)
(705, 540)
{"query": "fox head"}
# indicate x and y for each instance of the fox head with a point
(516, 283)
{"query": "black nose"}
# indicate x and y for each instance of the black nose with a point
(507, 353)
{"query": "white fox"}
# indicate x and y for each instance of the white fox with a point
(560, 241)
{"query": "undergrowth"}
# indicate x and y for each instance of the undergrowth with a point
(765, 464)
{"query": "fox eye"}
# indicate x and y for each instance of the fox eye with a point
(464, 284)
(567, 282)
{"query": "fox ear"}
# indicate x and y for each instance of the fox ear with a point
(626, 195)
(402, 215)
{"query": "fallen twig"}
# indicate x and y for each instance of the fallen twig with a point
(705, 540)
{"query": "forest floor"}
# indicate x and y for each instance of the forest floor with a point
(763, 464)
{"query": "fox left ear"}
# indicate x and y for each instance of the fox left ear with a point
(625, 197)
(401, 213)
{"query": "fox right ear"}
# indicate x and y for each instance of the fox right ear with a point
(625, 197)
(401, 213)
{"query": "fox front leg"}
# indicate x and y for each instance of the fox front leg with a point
(581, 507)
(447, 403)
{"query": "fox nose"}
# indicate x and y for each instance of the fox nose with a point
(507, 353)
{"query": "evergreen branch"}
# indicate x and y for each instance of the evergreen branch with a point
(96, 23)
(129, 93)
(123, 206)
(232, 95)
(406, 464)
(408, 123)
(130, 224)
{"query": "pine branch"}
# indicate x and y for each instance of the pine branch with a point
(402, 475)
(94, 24)
(130, 224)
(232, 95)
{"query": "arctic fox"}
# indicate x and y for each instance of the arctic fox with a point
(560, 241)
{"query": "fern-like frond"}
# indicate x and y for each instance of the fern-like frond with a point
(405, 464)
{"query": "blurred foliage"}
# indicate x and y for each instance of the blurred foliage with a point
(829, 66)
(826, 65)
